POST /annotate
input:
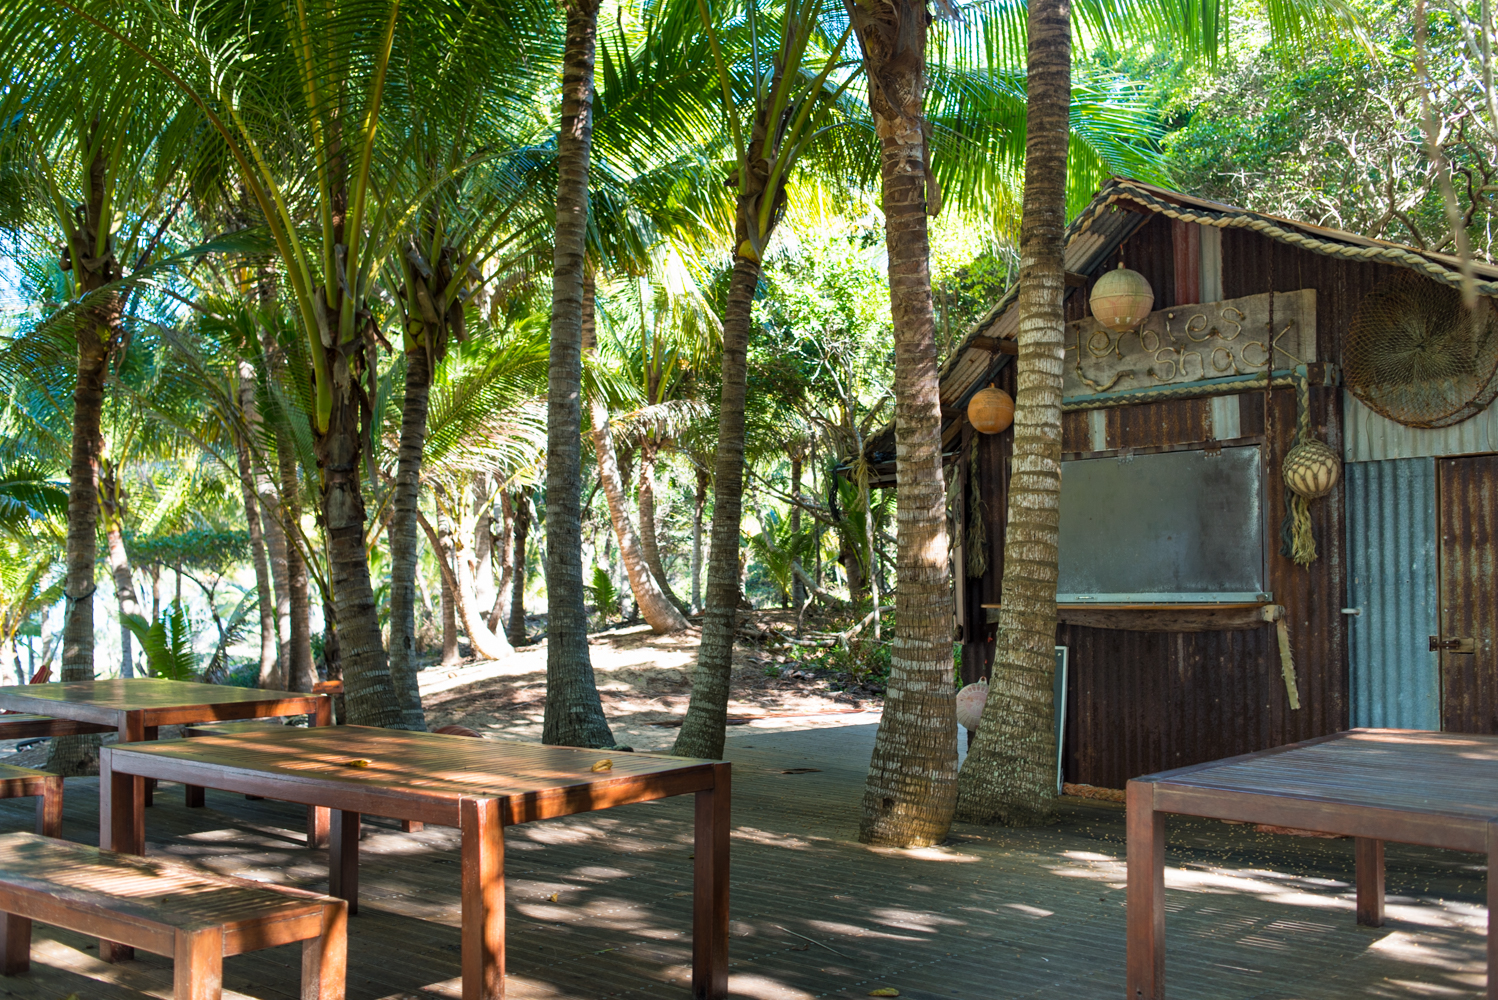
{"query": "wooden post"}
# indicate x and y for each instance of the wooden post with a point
(710, 889)
(318, 819)
(49, 809)
(1492, 911)
(149, 795)
(15, 944)
(483, 899)
(325, 957)
(343, 868)
(199, 964)
(1146, 894)
(1370, 879)
(122, 827)
(324, 714)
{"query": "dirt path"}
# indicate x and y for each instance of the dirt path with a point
(642, 679)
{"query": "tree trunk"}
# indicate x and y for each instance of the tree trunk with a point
(71, 755)
(481, 564)
(301, 672)
(506, 567)
(912, 783)
(707, 714)
(269, 673)
(112, 509)
(649, 537)
(698, 507)
(1010, 772)
(657, 609)
(484, 644)
(574, 713)
(517, 586)
(798, 589)
(332, 655)
(444, 545)
(404, 552)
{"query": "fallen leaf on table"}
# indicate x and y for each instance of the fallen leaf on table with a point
(604, 765)
(884, 991)
(356, 762)
(553, 897)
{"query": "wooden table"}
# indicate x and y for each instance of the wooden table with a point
(478, 786)
(138, 707)
(1404, 785)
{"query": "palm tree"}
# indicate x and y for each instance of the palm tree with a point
(789, 103)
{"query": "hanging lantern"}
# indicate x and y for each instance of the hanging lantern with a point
(1312, 468)
(991, 411)
(970, 702)
(1122, 299)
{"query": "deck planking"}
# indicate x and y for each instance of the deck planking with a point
(995, 913)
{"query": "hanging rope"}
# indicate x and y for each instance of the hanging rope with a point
(977, 524)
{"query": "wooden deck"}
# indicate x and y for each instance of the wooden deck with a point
(600, 904)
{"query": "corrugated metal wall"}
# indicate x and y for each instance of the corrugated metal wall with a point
(1372, 438)
(1468, 492)
(1392, 579)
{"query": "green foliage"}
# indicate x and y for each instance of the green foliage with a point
(167, 643)
(605, 595)
(234, 629)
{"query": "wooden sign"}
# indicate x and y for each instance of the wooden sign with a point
(1185, 344)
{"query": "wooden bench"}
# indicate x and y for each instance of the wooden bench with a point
(19, 782)
(165, 908)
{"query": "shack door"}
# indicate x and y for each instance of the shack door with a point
(1468, 641)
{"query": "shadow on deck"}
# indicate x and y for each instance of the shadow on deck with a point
(599, 905)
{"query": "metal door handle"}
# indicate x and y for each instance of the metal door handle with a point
(1437, 644)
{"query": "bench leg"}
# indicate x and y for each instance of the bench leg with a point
(151, 733)
(199, 965)
(325, 957)
(15, 943)
(1370, 879)
(710, 889)
(122, 827)
(1145, 919)
(343, 859)
(483, 900)
(412, 825)
(194, 796)
(317, 826)
(49, 810)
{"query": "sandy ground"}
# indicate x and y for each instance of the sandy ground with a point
(643, 680)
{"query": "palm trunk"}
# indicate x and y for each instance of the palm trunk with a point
(517, 586)
(249, 412)
(113, 509)
(451, 655)
(911, 788)
(301, 672)
(481, 563)
(649, 538)
(404, 553)
(1010, 772)
(506, 567)
(457, 592)
(658, 610)
(698, 507)
(71, 755)
(574, 713)
(707, 714)
(798, 589)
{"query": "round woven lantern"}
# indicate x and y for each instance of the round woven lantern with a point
(991, 411)
(1312, 469)
(970, 702)
(1122, 299)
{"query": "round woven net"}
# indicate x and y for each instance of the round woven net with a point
(1415, 354)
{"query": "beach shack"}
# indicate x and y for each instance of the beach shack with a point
(1279, 487)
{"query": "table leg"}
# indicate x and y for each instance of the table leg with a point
(317, 826)
(1146, 894)
(15, 944)
(151, 733)
(324, 714)
(1370, 879)
(483, 899)
(325, 957)
(412, 826)
(122, 827)
(49, 809)
(343, 858)
(710, 889)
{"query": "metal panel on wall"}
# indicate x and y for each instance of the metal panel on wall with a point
(1371, 437)
(1392, 577)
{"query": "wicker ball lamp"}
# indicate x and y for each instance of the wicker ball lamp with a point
(1122, 299)
(991, 411)
(1312, 468)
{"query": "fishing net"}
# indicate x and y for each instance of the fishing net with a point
(1416, 355)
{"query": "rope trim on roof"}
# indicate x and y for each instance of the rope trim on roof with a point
(1387, 254)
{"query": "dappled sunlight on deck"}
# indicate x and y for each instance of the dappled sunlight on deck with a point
(600, 904)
